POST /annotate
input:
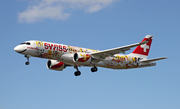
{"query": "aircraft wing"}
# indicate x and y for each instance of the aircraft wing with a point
(151, 60)
(111, 52)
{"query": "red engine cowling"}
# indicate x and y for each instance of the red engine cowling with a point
(55, 65)
(82, 58)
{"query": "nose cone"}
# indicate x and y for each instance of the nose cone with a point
(18, 49)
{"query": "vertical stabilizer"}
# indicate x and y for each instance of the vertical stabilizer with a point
(143, 50)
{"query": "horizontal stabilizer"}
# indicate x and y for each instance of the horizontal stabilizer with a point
(151, 60)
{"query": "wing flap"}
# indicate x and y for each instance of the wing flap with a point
(151, 60)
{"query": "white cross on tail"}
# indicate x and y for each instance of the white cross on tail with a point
(145, 47)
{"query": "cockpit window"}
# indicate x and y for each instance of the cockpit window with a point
(22, 43)
(27, 43)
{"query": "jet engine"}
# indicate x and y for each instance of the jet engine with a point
(55, 65)
(82, 58)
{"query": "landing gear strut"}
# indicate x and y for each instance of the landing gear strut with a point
(27, 56)
(94, 69)
(77, 73)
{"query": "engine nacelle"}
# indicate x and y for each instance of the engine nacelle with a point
(55, 65)
(82, 58)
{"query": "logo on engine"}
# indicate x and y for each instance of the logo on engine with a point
(84, 57)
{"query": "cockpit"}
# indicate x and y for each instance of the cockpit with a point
(27, 43)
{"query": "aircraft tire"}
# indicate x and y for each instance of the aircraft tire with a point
(94, 69)
(77, 73)
(27, 63)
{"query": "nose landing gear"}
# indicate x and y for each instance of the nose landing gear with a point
(27, 56)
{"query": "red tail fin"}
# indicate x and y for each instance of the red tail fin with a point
(144, 49)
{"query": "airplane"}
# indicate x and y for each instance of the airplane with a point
(61, 56)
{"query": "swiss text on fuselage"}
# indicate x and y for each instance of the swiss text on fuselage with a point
(55, 47)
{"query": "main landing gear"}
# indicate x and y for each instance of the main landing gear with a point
(27, 56)
(94, 69)
(77, 73)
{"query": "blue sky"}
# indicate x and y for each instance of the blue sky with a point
(98, 24)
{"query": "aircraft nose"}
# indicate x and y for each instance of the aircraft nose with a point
(18, 49)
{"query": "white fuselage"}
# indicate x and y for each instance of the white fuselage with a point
(65, 54)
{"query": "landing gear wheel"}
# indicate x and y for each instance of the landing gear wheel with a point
(27, 63)
(94, 69)
(77, 73)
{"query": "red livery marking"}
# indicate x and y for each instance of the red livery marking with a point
(31, 48)
(143, 49)
(55, 47)
(51, 45)
(64, 49)
(60, 64)
(46, 45)
(84, 58)
(60, 48)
